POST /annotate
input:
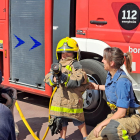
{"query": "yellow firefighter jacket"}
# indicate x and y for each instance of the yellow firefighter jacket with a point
(67, 101)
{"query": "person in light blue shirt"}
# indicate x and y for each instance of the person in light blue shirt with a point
(123, 122)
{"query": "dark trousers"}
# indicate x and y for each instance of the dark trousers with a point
(7, 128)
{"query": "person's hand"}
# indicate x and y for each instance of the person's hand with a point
(62, 78)
(93, 86)
(10, 101)
(96, 130)
(54, 79)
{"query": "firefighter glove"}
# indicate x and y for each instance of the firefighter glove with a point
(52, 125)
(58, 125)
(63, 78)
(55, 124)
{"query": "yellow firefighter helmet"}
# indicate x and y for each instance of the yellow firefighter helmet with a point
(67, 45)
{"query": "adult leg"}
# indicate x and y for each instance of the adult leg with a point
(129, 126)
(7, 128)
(92, 137)
(113, 131)
(122, 128)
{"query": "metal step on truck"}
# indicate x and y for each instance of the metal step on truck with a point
(31, 29)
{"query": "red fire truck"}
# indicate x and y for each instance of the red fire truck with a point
(31, 29)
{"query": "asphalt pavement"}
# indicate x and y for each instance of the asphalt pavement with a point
(35, 110)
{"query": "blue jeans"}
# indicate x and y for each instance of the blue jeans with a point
(7, 128)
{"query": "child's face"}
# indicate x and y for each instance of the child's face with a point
(66, 54)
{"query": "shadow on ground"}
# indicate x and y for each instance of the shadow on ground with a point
(35, 124)
(76, 135)
(33, 99)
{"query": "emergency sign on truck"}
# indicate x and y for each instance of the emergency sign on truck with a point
(31, 29)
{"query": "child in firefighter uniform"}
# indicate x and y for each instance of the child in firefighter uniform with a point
(122, 123)
(67, 102)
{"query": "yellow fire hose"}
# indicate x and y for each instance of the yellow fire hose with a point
(26, 123)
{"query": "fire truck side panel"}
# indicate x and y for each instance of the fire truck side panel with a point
(4, 40)
(27, 42)
(2, 31)
(48, 41)
(81, 18)
(6, 34)
(2, 9)
(61, 22)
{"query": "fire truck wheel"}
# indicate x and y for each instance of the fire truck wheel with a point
(95, 107)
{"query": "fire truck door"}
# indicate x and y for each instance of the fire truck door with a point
(114, 21)
(27, 42)
(102, 21)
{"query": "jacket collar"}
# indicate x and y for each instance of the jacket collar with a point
(116, 76)
(67, 61)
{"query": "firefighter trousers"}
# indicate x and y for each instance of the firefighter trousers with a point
(120, 129)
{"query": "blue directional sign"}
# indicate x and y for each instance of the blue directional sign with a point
(20, 42)
(36, 43)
